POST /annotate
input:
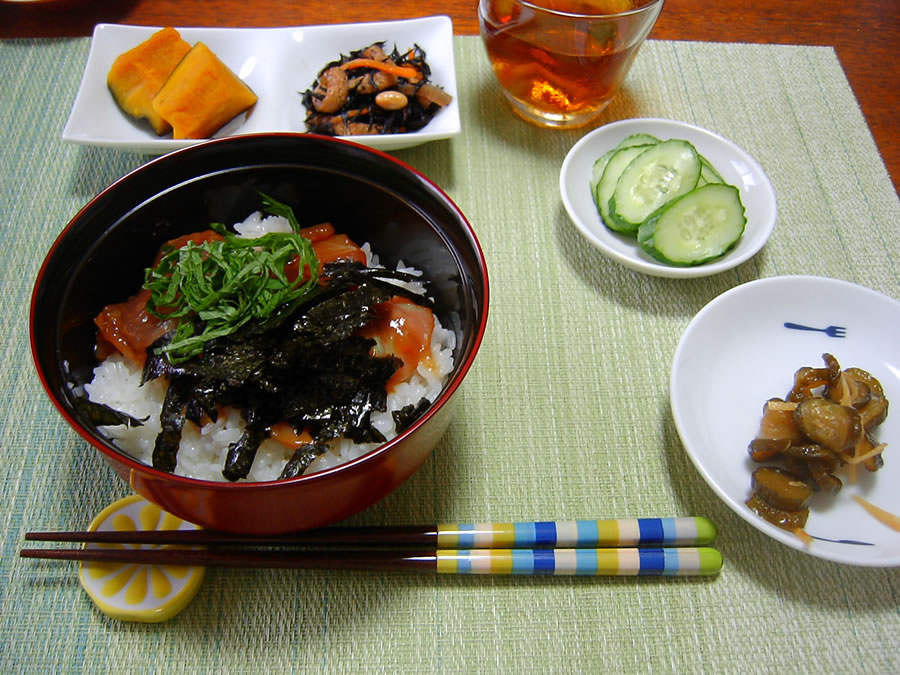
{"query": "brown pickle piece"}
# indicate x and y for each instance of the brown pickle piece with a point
(827, 423)
(807, 379)
(809, 452)
(866, 444)
(778, 424)
(824, 479)
(788, 520)
(874, 462)
(780, 488)
(848, 386)
(875, 408)
(762, 449)
(797, 467)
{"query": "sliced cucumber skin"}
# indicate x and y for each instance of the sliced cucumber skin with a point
(620, 159)
(637, 139)
(627, 142)
(640, 191)
(659, 235)
(708, 173)
(597, 173)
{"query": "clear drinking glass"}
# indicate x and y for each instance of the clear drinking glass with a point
(560, 62)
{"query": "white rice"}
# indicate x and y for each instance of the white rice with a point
(202, 452)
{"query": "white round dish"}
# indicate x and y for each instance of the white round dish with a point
(734, 165)
(277, 63)
(737, 352)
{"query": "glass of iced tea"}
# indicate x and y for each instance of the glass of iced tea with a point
(560, 62)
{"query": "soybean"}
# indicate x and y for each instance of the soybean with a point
(391, 100)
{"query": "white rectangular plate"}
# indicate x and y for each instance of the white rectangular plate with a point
(277, 63)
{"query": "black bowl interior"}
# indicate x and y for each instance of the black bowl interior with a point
(100, 256)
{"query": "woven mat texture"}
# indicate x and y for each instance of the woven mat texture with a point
(564, 415)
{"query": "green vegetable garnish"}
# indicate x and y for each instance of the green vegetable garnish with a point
(218, 286)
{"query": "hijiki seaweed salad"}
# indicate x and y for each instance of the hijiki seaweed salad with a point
(266, 352)
(372, 92)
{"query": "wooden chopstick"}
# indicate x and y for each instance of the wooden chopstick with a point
(355, 536)
(685, 561)
(616, 533)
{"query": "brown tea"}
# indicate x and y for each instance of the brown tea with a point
(560, 66)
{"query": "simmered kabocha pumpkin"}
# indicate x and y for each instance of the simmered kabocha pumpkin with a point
(138, 74)
(181, 89)
(201, 95)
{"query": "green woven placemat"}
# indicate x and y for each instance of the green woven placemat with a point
(564, 415)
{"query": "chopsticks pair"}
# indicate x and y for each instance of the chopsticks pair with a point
(620, 547)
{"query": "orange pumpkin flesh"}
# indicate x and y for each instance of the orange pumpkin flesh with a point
(138, 74)
(201, 95)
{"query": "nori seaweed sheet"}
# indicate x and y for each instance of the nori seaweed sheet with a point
(302, 458)
(311, 370)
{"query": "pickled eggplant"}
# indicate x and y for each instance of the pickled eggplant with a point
(823, 426)
(789, 520)
(829, 424)
(808, 379)
(825, 480)
(780, 488)
(873, 409)
(761, 449)
(778, 422)
(812, 452)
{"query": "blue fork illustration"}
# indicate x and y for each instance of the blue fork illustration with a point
(830, 331)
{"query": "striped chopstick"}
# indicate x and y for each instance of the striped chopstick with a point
(617, 533)
(686, 561)
(619, 547)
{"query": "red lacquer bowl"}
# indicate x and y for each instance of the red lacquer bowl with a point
(100, 256)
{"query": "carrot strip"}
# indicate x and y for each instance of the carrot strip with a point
(886, 517)
(802, 535)
(858, 459)
(408, 72)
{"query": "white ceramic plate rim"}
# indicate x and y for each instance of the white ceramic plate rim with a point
(735, 165)
(736, 353)
(276, 63)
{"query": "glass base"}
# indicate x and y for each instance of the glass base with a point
(554, 120)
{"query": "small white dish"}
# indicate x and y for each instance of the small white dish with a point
(734, 165)
(737, 353)
(277, 63)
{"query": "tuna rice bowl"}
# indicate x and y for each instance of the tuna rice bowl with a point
(264, 351)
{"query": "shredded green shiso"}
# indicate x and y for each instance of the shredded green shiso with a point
(214, 288)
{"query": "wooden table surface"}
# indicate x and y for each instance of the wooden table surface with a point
(865, 33)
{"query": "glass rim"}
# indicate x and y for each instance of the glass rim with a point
(534, 4)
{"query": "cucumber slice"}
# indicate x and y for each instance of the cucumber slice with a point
(699, 226)
(658, 175)
(637, 139)
(708, 174)
(597, 173)
(607, 184)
